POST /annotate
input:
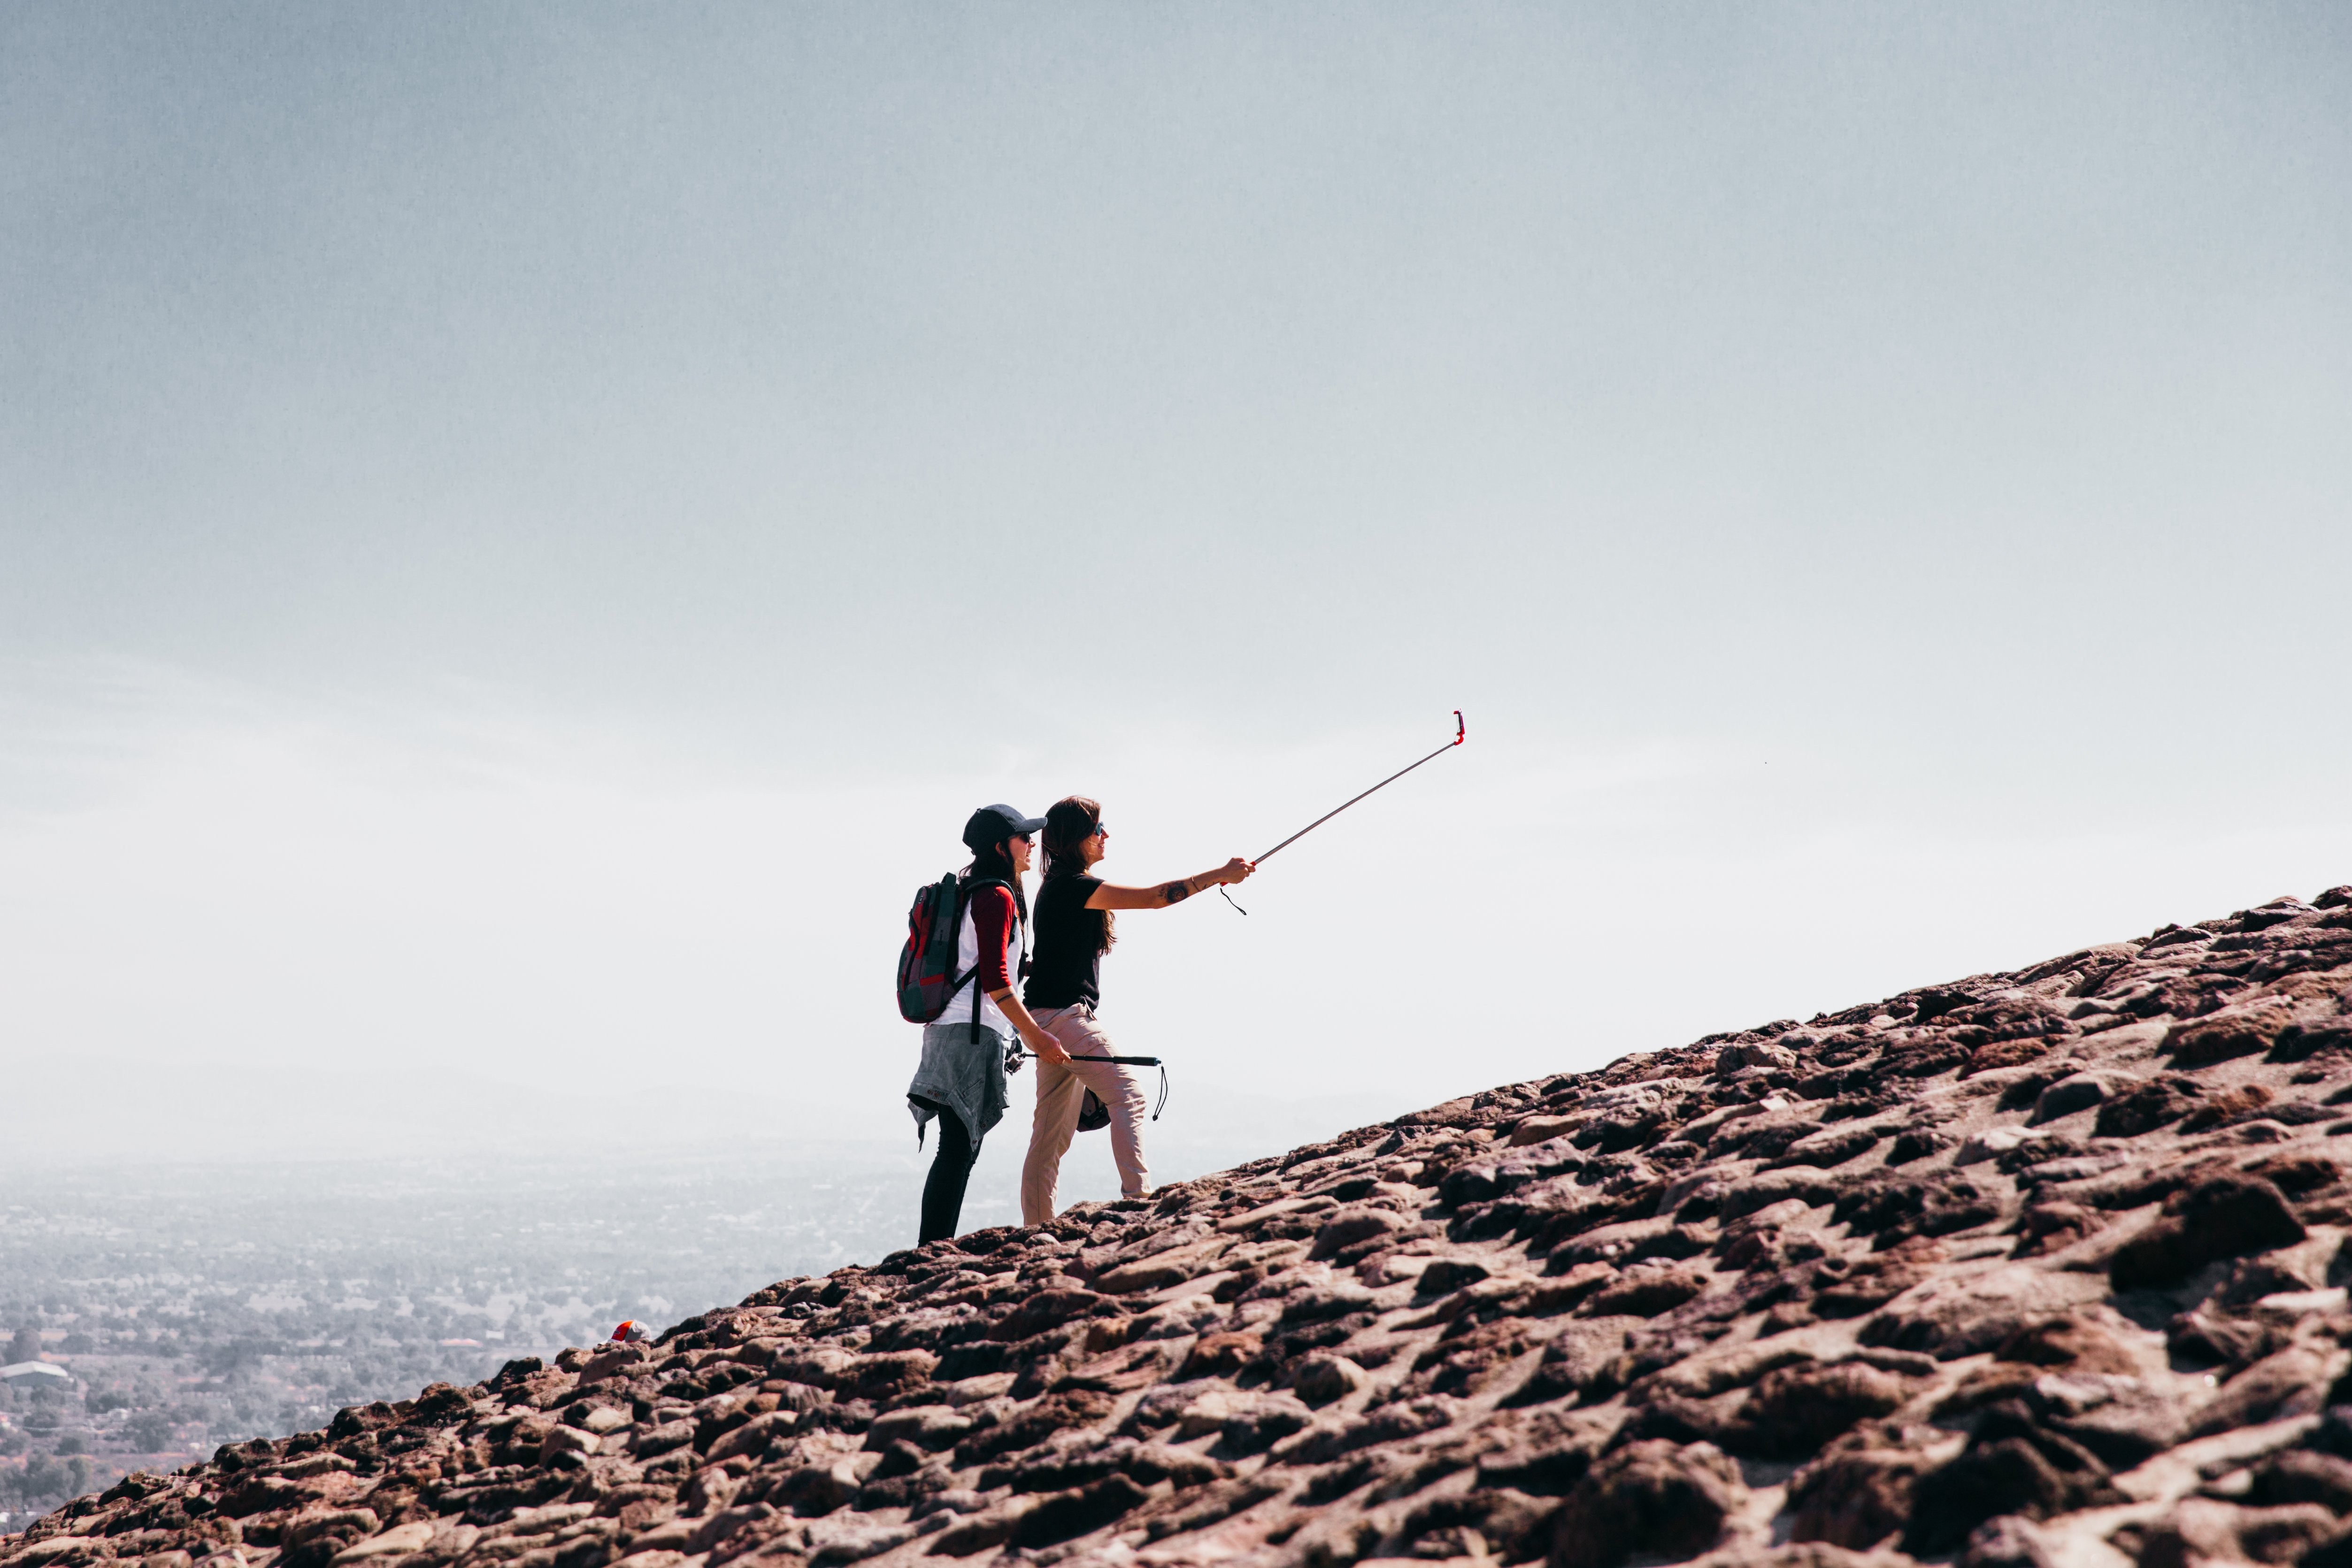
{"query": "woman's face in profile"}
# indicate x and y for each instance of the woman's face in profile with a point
(1022, 849)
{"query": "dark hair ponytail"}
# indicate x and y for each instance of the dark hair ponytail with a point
(996, 861)
(1069, 822)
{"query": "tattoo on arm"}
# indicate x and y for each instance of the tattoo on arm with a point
(1176, 892)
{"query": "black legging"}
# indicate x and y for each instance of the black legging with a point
(950, 1169)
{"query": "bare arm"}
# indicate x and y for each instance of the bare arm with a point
(1108, 897)
(1047, 1048)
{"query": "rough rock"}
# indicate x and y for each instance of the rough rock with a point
(2227, 1217)
(1656, 1499)
(2008, 1541)
(1859, 1493)
(1973, 1259)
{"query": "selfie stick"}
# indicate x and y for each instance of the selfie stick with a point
(1116, 1061)
(1121, 1061)
(1460, 734)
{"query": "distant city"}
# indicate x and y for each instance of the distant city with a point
(149, 1314)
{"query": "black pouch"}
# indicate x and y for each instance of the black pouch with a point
(1093, 1114)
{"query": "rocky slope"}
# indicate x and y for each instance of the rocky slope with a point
(2036, 1268)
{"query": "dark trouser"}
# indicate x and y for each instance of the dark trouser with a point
(950, 1169)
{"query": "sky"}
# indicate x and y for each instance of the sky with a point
(524, 533)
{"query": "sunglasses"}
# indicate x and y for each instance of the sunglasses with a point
(1099, 832)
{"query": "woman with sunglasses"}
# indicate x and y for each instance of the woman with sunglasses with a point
(1074, 931)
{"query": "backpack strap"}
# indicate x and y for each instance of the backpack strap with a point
(955, 941)
(963, 901)
(975, 995)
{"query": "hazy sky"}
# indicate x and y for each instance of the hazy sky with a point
(524, 531)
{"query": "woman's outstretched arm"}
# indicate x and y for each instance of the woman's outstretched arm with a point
(1108, 897)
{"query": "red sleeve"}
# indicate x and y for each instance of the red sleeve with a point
(991, 925)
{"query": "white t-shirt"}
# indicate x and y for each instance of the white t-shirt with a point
(958, 1007)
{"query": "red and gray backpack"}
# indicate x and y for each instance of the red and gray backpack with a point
(927, 964)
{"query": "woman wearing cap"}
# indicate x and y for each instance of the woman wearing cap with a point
(961, 1079)
(1074, 931)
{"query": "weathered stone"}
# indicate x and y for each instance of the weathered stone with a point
(2068, 1095)
(2227, 1217)
(2070, 1341)
(2147, 1106)
(1949, 1318)
(2207, 1530)
(2303, 1476)
(1160, 1270)
(1219, 1355)
(2291, 1381)
(646, 1443)
(2233, 1032)
(1388, 1423)
(1644, 1292)
(1324, 1378)
(2207, 1335)
(928, 1426)
(399, 1540)
(1258, 1424)
(2011, 1465)
(1915, 1144)
(2050, 1227)
(1848, 1291)
(1076, 1407)
(2124, 1420)
(2008, 1541)
(1064, 1515)
(1547, 1459)
(1653, 1499)
(2228, 1105)
(1350, 1226)
(1833, 1146)
(1795, 1411)
(1998, 1054)
(1542, 1129)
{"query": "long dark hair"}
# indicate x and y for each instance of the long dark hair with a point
(1069, 822)
(996, 861)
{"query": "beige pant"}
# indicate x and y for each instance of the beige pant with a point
(1061, 1091)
